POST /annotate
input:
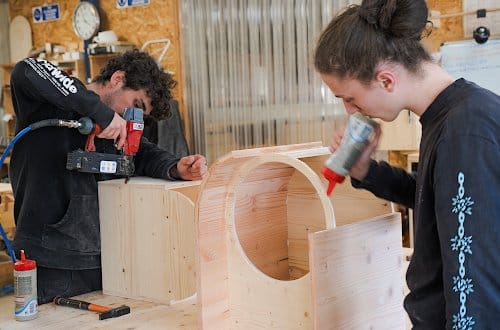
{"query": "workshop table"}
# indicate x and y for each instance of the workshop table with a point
(143, 315)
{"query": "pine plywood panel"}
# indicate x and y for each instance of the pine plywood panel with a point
(349, 204)
(352, 205)
(255, 299)
(116, 239)
(304, 215)
(213, 286)
(356, 273)
(148, 240)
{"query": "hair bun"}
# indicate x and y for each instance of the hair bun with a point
(396, 18)
(378, 13)
(369, 13)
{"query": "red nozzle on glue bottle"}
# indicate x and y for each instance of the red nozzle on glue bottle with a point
(356, 137)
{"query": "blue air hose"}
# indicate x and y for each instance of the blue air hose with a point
(39, 124)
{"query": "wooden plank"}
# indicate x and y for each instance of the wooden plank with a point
(349, 204)
(304, 215)
(148, 239)
(356, 275)
(353, 205)
(116, 239)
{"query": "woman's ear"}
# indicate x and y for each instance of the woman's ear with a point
(386, 80)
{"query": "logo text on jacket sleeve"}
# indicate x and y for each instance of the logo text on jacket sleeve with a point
(48, 71)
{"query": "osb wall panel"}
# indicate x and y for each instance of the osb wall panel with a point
(451, 28)
(58, 32)
(158, 20)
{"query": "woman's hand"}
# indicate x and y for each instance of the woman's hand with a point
(361, 167)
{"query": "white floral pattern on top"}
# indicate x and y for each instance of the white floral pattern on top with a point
(461, 243)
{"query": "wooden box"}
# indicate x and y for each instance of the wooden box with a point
(270, 253)
(148, 238)
(260, 243)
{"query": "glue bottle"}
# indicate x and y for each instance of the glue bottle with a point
(356, 137)
(25, 290)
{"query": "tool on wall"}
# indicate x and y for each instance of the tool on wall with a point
(104, 311)
(162, 50)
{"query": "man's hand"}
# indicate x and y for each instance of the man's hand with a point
(117, 128)
(361, 167)
(193, 167)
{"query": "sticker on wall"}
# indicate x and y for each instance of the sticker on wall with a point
(130, 3)
(46, 13)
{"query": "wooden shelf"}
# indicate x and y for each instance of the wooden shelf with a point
(75, 68)
(98, 61)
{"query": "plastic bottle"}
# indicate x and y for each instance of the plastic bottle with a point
(356, 137)
(25, 290)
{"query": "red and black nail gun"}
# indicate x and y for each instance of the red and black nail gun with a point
(90, 161)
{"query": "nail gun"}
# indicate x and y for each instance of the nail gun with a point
(90, 161)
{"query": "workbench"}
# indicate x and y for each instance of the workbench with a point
(143, 315)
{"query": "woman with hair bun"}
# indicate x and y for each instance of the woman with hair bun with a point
(371, 57)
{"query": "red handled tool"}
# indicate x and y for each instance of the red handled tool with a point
(104, 311)
(90, 161)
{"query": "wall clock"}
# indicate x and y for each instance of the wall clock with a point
(86, 20)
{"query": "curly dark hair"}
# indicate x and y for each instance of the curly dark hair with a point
(142, 72)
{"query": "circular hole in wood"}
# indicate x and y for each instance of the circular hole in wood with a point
(276, 207)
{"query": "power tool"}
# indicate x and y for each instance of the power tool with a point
(90, 161)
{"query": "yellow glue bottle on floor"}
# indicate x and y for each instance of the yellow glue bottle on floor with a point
(25, 290)
(356, 137)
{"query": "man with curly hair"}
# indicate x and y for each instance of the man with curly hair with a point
(56, 210)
